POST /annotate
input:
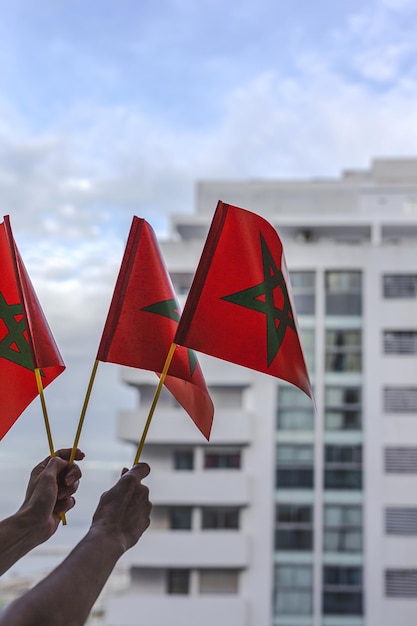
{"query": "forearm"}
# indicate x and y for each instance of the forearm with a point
(67, 595)
(18, 535)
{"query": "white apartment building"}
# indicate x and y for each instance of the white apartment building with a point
(291, 517)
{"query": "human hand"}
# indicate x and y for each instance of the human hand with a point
(50, 492)
(124, 510)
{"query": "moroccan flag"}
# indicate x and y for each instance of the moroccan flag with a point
(240, 307)
(142, 321)
(26, 342)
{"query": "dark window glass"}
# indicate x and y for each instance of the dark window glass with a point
(293, 527)
(184, 460)
(222, 460)
(343, 479)
(178, 581)
(293, 539)
(294, 514)
(220, 518)
(180, 517)
(294, 466)
(342, 590)
(343, 467)
(294, 478)
(342, 603)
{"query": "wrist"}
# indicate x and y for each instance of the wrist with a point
(108, 537)
(28, 525)
(19, 534)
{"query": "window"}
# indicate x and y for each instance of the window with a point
(178, 581)
(342, 528)
(401, 521)
(343, 408)
(401, 583)
(180, 517)
(308, 340)
(303, 291)
(218, 581)
(294, 466)
(227, 396)
(343, 351)
(343, 467)
(342, 590)
(227, 459)
(400, 285)
(400, 399)
(183, 460)
(343, 293)
(400, 342)
(401, 460)
(293, 589)
(219, 518)
(295, 409)
(293, 527)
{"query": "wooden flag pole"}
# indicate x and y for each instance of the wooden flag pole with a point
(45, 412)
(47, 426)
(83, 412)
(154, 402)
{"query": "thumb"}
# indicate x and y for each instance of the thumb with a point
(54, 466)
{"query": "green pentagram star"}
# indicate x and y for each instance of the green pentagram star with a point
(171, 310)
(277, 320)
(14, 346)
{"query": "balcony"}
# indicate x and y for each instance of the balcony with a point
(216, 372)
(193, 488)
(188, 549)
(171, 425)
(126, 609)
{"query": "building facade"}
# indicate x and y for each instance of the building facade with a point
(293, 516)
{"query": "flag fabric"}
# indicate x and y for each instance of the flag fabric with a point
(240, 307)
(26, 341)
(142, 321)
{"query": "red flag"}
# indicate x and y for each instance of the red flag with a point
(26, 341)
(142, 321)
(240, 307)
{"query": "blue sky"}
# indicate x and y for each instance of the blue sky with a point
(115, 108)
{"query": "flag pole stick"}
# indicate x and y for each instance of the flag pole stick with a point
(45, 412)
(154, 402)
(83, 412)
(47, 425)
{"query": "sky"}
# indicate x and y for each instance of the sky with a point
(110, 109)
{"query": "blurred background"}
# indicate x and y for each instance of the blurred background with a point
(113, 109)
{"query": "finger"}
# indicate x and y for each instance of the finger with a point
(65, 492)
(72, 475)
(141, 470)
(54, 466)
(65, 453)
(64, 505)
